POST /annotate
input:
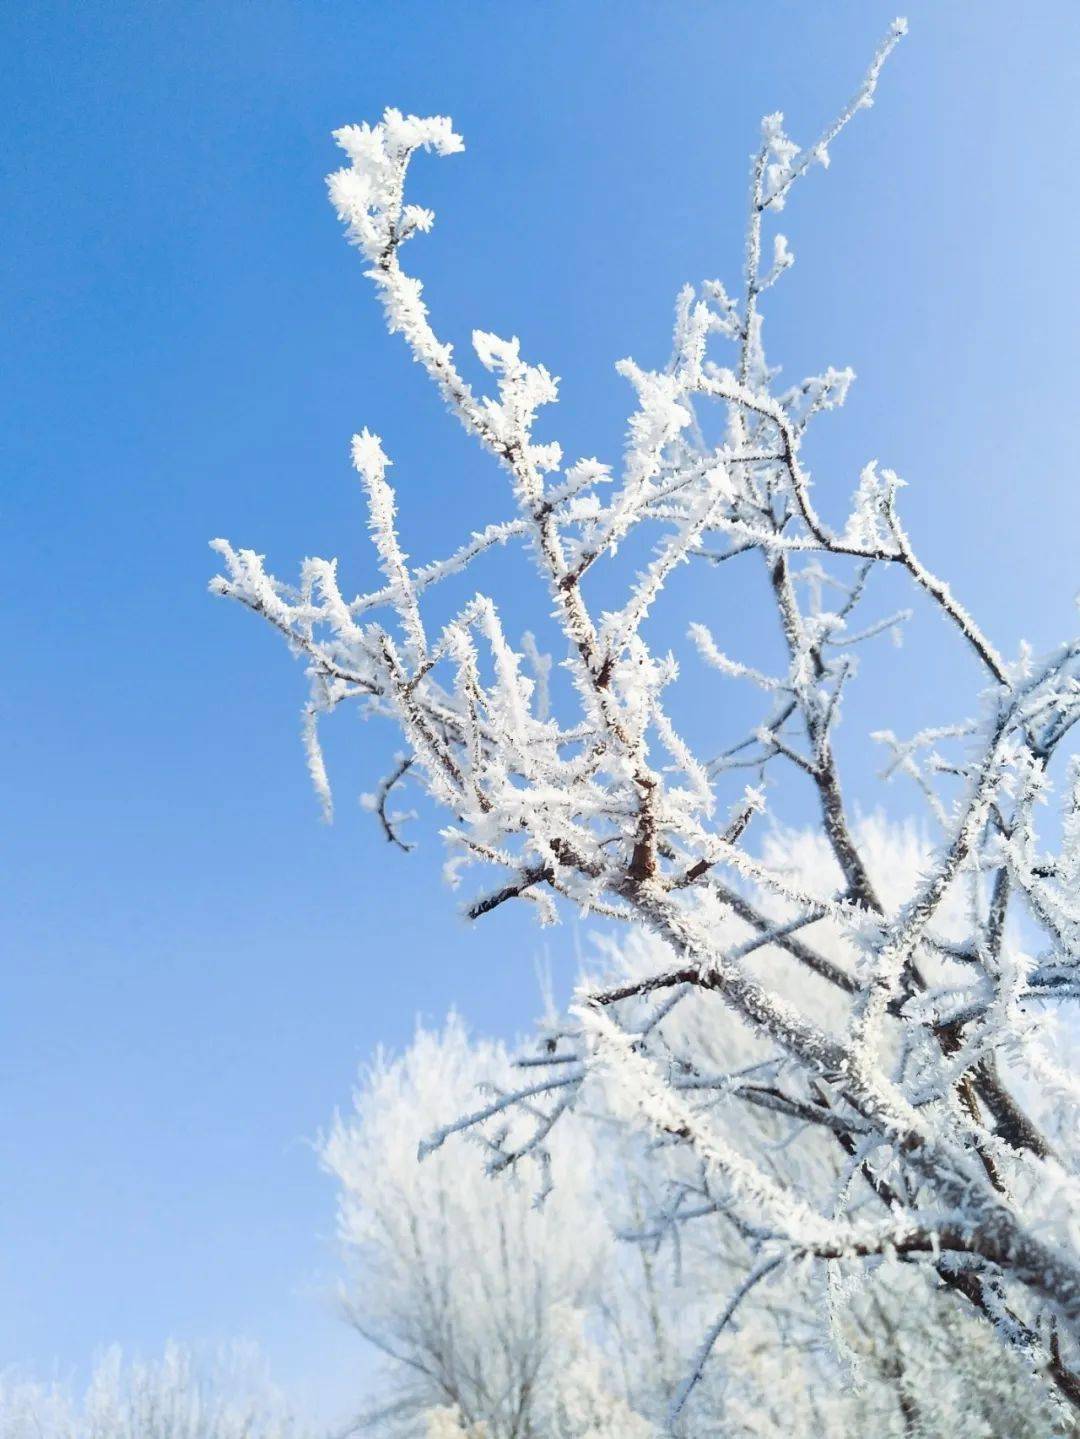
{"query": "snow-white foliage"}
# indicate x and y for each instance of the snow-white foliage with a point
(581, 1316)
(182, 1395)
(924, 1065)
(472, 1289)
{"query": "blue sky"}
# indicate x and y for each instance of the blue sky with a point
(193, 965)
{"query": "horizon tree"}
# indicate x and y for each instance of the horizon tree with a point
(182, 1394)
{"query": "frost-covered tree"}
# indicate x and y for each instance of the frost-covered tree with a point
(905, 1358)
(923, 1055)
(182, 1395)
(453, 1270)
(476, 1296)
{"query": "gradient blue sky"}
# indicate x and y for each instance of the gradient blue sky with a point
(194, 966)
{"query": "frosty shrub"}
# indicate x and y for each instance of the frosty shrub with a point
(179, 1396)
(921, 1051)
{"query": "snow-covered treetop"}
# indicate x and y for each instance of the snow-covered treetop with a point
(590, 794)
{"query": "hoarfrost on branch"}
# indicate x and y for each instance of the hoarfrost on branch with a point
(921, 1056)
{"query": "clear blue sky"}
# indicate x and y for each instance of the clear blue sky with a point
(194, 966)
